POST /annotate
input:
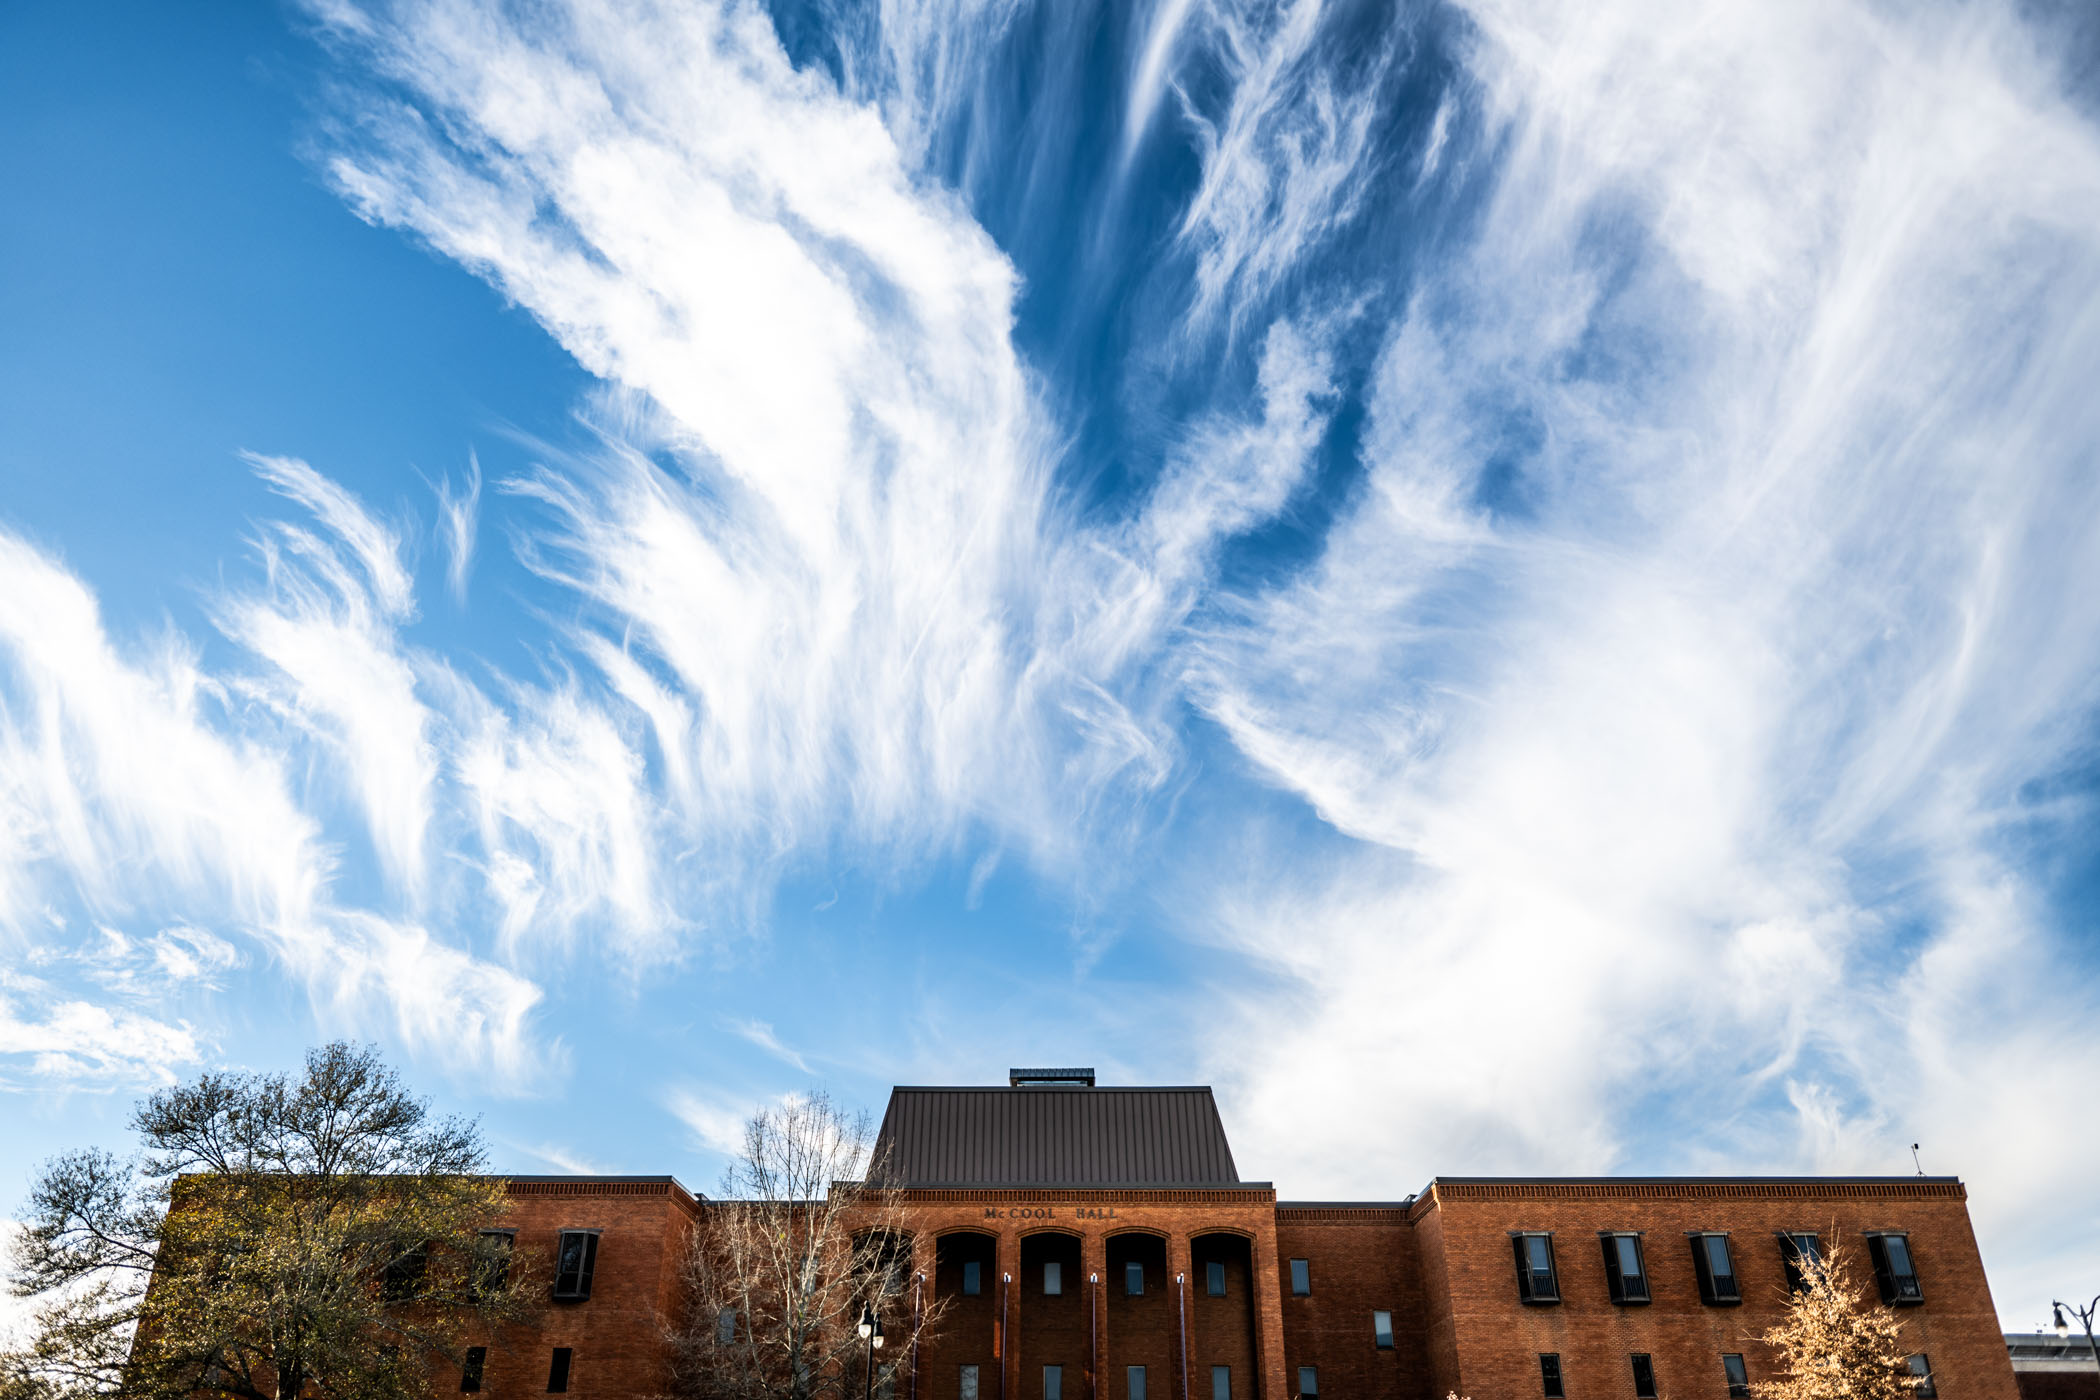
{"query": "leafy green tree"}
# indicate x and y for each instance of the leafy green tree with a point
(1833, 1346)
(321, 1237)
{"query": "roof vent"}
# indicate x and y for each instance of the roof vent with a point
(1060, 1078)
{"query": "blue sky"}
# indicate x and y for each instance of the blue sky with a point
(1513, 586)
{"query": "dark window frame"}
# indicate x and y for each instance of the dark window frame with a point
(1382, 1328)
(1054, 1382)
(1133, 1278)
(1134, 1387)
(1529, 1289)
(470, 1372)
(1053, 1271)
(1312, 1373)
(1644, 1386)
(1737, 1389)
(559, 1367)
(975, 1389)
(973, 1278)
(1920, 1367)
(1710, 1292)
(1220, 1374)
(1552, 1385)
(573, 1284)
(1301, 1273)
(1898, 1290)
(1633, 1292)
(402, 1279)
(1791, 1253)
(1214, 1278)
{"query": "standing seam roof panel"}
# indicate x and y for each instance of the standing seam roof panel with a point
(1054, 1136)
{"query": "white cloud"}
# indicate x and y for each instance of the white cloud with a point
(63, 1041)
(458, 518)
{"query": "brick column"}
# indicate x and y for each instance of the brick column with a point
(1180, 1262)
(1093, 1268)
(1273, 1382)
(1006, 1339)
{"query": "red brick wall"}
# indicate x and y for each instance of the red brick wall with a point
(1497, 1338)
(1361, 1259)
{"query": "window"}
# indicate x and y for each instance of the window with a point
(1894, 1273)
(1801, 1252)
(493, 1264)
(404, 1274)
(1643, 1376)
(574, 1262)
(1214, 1274)
(1535, 1280)
(725, 1326)
(1549, 1376)
(1921, 1375)
(1053, 1277)
(470, 1374)
(1053, 1383)
(1133, 1278)
(1221, 1383)
(973, 1277)
(969, 1383)
(1382, 1329)
(1301, 1276)
(1624, 1269)
(1309, 1382)
(1716, 1269)
(558, 1372)
(1134, 1382)
(1738, 1375)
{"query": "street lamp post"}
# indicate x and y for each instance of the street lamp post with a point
(2085, 1316)
(870, 1329)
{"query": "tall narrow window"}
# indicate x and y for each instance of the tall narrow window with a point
(973, 1277)
(1053, 1383)
(1643, 1376)
(1301, 1276)
(404, 1274)
(1624, 1269)
(1535, 1279)
(1549, 1376)
(492, 1261)
(1053, 1277)
(967, 1387)
(1921, 1375)
(1737, 1373)
(725, 1326)
(1134, 1383)
(1309, 1382)
(1802, 1253)
(1382, 1329)
(1715, 1265)
(1894, 1273)
(470, 1374)
(574, 1262)
(1221, 1383)
(1214, 1276)
(1133, 1278)
(558, 1372)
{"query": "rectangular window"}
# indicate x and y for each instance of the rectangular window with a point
(725, 1326)
(574, 1262)
(558, 1372)
(1535, 1280)
(1134, 1383)
(1053, 1277)
(1221, 1383)
(1643, 1377)
(1309, 1381)
(1301, 1277)
(1894, 1273)
(1737, 1373)
(1802, 1253)
(1715, 1265)
(1053, 1383)
(492, 1268)
(1214, 1275)
(969, 1383)
(1921, 1376)
(973, 1277)
(404, 1274)
(1133, 1278)
(470, 1374)
(1624, 1269)
(1549, 1376)
(1382, 1329)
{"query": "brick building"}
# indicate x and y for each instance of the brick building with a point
(1097, 1243)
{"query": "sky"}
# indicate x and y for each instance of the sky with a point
(1516, 586)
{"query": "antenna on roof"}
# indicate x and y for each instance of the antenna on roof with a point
(1914, 1159)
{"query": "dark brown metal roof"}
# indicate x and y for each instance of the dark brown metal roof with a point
(1054, 1136)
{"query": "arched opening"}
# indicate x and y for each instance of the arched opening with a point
(1142, 1327)
(958, 1360)
(1222, 1318)
(1052, 1342)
